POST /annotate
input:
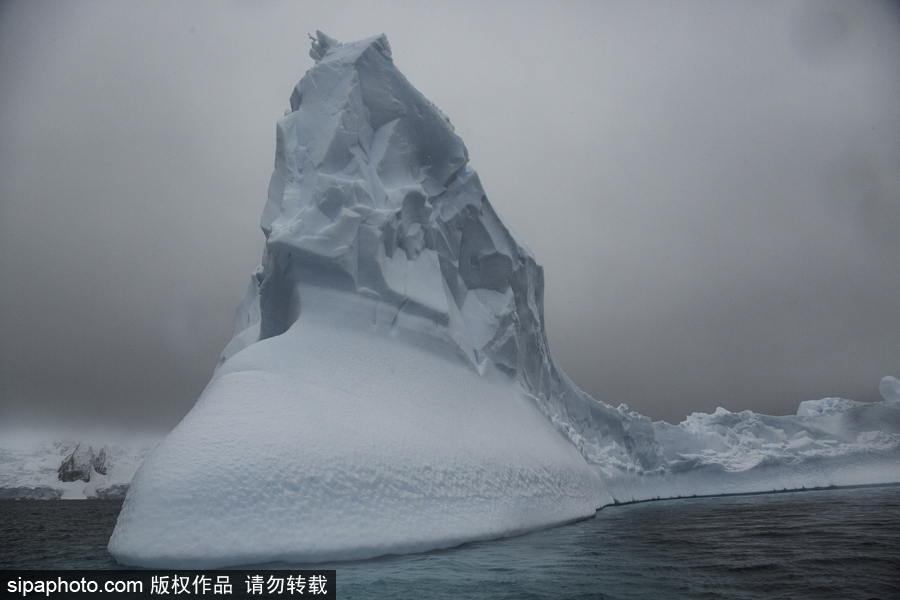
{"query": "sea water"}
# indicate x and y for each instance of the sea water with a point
(841, 544)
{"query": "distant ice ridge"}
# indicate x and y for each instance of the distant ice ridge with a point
(389, 387)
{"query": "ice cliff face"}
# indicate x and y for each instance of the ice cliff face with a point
(372, 195)
(389, 387)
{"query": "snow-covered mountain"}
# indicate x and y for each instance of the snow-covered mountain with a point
(33, 467)
(389, 387)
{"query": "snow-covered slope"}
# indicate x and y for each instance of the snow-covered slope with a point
(33, 467)
(389, 387)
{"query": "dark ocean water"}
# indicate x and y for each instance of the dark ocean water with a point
(842, 544)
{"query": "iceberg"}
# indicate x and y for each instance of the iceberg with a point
(389, 387)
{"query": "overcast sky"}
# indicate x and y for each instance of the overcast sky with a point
(713, 189)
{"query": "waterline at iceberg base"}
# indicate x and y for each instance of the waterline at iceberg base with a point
(389, 387)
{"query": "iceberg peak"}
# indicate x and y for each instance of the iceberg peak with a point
(320, 45)
(372, 196)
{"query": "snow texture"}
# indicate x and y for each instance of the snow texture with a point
(389, 387)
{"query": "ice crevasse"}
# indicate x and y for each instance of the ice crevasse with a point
(389, 387)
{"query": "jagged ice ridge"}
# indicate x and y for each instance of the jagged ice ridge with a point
(389, 387)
